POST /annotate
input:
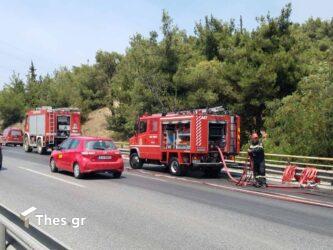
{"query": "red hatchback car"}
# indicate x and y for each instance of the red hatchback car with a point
(12, 136)
(83, 155)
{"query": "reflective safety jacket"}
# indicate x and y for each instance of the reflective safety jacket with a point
(257, 152)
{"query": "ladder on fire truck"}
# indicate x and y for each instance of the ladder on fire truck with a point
(51, 128)
(233, 129)
(206, 111)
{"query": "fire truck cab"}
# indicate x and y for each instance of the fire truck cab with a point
(46, 127)
(187, 139)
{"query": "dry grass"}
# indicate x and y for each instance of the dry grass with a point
(96, 124)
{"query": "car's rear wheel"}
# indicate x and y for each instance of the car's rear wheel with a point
(26, 146)
(77, 171)
(135, 161)
(117, 175)
(53, 166)
(175, 168)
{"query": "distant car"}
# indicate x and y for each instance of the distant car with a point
(83, 155)
(12, 136)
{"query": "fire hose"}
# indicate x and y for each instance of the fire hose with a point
(306, 179)
(244, 180)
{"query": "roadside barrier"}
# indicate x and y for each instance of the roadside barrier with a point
(14, 234)
(276, 164)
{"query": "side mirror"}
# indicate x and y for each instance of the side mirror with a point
(57, 147)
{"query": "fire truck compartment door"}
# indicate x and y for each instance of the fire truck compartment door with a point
(37, 125)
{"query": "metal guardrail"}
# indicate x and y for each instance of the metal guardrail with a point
(276, 167)
(121, 145)
(309, 159)
(14, 233)
(276, 164)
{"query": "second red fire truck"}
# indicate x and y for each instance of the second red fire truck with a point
(47, 127)
(183, 140)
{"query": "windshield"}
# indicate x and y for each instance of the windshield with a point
(100, 145)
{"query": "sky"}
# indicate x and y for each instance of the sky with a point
(55, 33)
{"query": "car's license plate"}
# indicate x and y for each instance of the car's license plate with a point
(105, 157)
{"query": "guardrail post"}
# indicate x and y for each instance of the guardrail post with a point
(2, 236)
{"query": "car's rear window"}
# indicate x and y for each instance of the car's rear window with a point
(100, 145)
(16, 133)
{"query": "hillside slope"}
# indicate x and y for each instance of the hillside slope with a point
(96, 124)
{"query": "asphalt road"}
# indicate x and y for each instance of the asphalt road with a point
(148, 209)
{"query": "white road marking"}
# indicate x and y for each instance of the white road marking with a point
(147, 177)
(53, 177)
(275, 195)
(279, 196)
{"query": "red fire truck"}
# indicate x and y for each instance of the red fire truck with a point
(46, 127)
(187, 139)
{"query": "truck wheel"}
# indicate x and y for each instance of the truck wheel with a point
(53, 166)
(40, 149)
(26, 146)
(77, 172)
(175, 168)
(135, 161)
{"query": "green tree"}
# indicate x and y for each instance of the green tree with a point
(32, 87)
(302, 123)
(12, 106)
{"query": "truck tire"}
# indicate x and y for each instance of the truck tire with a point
(175, 168)
(26, 146)
(135, 161)
(40, 149)
(53, 166)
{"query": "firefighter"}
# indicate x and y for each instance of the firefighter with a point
(257, 155)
